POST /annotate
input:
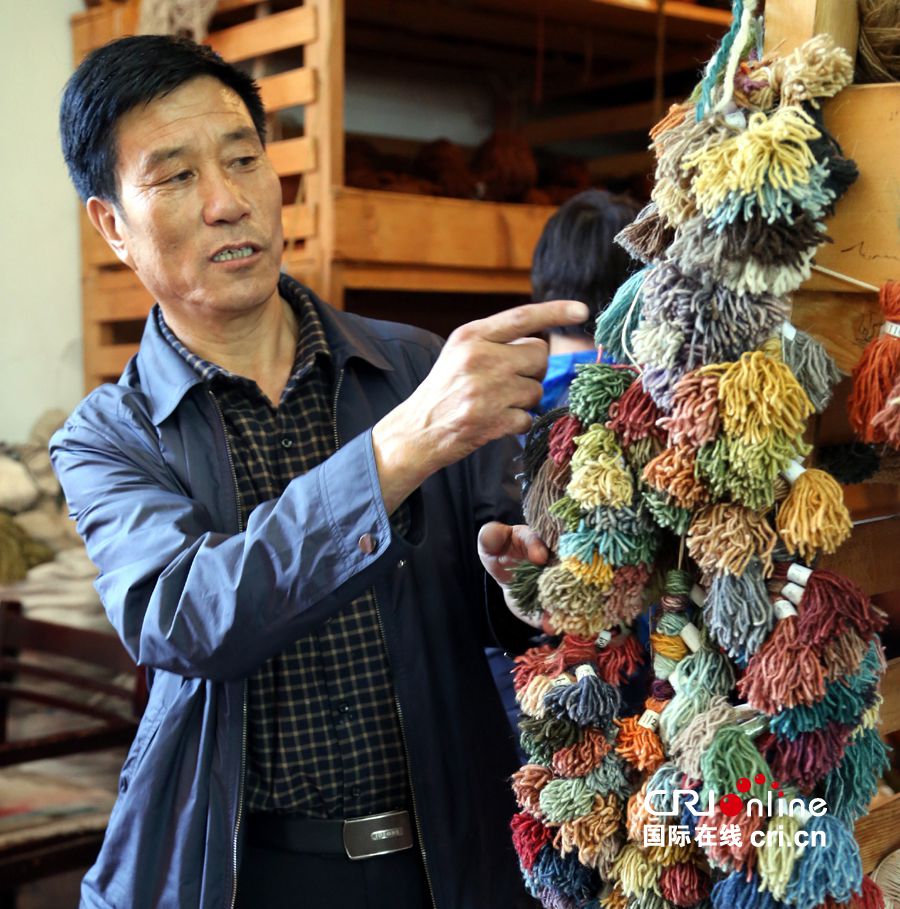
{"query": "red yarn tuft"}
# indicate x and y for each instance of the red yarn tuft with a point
(530, 664)
(618, 662)
(529, 836)
(633, 417)
(832, 606)
(684, 884)
(561, 439)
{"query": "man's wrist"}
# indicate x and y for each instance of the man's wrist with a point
(402, 463)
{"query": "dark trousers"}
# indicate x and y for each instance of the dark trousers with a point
(274, 879)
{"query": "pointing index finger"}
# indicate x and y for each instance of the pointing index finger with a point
(529, 319)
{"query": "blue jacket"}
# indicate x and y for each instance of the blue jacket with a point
(202, 601)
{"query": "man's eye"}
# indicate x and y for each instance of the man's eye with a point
(246, 160)
(181, 177)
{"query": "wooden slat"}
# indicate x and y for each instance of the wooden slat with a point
(604, 121)
(417, 278)
(865, 119)
(869, 557)
(295, 87)
(890, 689)
(264, 36)
(299, 221)
(292, 156)
(624, 165)
(878, 834)
(375, 227)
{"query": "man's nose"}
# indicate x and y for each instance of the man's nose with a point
(223, 200)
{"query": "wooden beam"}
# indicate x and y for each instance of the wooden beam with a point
(865, 119)
(789, 23)
(298, 221)
(604, 121)
(878, 834)
(290, 89)
(279, 31)
(624, 165)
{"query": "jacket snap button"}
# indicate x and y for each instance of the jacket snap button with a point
(401, 563)
(368, 543)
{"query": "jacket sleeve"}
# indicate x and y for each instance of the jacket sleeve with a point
(214, 605)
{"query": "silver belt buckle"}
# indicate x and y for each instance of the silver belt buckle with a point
(377, 834)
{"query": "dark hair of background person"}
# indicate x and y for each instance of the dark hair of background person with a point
(575, 257)
(125, 74)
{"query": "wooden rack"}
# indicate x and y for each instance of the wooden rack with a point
(340, 238)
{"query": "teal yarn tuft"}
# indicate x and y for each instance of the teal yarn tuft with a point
(715, 69)
(610, 778)
(850, 787)
(581, 543)
(826, 869)
(740, 891)
(621, 316)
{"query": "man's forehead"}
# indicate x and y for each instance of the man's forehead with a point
(202, 105)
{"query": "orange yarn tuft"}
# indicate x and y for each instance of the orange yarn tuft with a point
(527, 783)
(877, 372)
(675, 472)
(639, 746)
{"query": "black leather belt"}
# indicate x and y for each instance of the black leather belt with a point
(357, 837)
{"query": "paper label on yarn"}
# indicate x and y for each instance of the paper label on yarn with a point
(891, 328)
(793, 592)
(793, 472)
(799, 574)
(560, 680)
(788, 331)
(784, 609)
(585, 670)
(698, 596)
(799, 812)
(649, 720)
(604, 638)
(690, 634)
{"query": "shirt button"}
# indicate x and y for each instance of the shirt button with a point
(401, 563)
(356, 792)
(343, 707)
(368, 543)
(287, 443)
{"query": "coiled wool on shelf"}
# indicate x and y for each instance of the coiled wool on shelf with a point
(878, 370)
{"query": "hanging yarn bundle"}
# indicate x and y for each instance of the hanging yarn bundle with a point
(764, 693)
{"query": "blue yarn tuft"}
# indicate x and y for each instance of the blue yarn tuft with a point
(849, 788)
(737, 892)
(833, 869)
(589, 702)
(564, 874)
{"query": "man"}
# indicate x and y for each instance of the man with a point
(282, 501)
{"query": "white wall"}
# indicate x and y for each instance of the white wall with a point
(40, 296)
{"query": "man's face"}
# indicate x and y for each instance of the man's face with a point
(199, 216)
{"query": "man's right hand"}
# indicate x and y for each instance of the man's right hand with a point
(486, 379)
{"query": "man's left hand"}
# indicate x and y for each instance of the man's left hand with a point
(501, 547)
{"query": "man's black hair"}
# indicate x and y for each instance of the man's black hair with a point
(576, 259)
(125, 74)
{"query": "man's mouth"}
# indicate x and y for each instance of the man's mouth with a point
(233, 252)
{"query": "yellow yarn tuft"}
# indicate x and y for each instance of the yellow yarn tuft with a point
(813, 518)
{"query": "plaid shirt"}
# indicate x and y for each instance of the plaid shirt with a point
(323, 735)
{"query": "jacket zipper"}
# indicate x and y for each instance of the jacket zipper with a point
(240, 807)
(337, 445)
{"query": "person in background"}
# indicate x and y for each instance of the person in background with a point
(303, 522)
(576, 259)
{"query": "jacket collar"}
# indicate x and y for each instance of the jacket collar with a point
(166, 377)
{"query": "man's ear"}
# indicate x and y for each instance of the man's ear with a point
(109, 221)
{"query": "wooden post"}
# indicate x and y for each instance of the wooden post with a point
(791, 22)
(324, 124)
